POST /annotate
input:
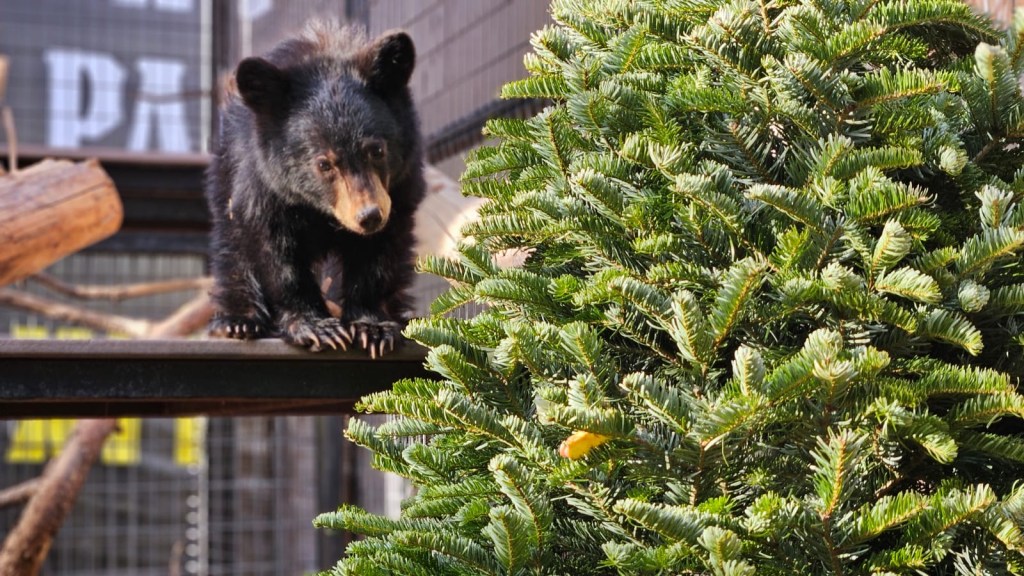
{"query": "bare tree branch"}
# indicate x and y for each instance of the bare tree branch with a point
(19, 493)
(27, 544)
(119, 292)
(60, 311)
(8, 120)
(191, 317)
(12, 138)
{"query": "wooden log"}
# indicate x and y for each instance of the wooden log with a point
(52, 209)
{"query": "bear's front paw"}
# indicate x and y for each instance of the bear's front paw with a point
(239, 327)
(316, 333)
(377, 337)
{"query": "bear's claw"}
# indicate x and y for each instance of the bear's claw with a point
(376, 337)
(238, 327)
(317, 334)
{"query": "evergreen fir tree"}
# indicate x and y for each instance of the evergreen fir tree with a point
(771, 317)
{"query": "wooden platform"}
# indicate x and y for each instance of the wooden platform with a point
(99, 378)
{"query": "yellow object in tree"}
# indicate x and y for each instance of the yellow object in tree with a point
(580, 443)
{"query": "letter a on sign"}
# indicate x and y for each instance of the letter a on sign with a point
(160, 98)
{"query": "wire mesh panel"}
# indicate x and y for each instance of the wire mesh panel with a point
(228, 496)
(126, 74)
(262, 496)
(138, 511)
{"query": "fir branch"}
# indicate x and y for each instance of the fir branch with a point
(665, 403)
(877, 159)
(887, 85)
(451, 300)
(868, 5)
(940, 13)
(795, 204)
(690, 330)
(354, 519)
(832, 462)
(893, 244)
(979, 252)
(819, 81)
(742, 279)
(948, 508)
(508, 531)
(727, 416)
(473, 416)
(465, 551)
(586, 347)
(910, 284)
(935, 260)
(702, 191)
(744, 140)
(518, 485)
(675, 523)
(986, 409)
(885, 514)
(1007, 299)
(849, 42)
(625, 50)
(552, 87)
(952, 328)
(938, 379)
(1008, 448)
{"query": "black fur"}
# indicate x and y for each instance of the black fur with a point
(276, 236)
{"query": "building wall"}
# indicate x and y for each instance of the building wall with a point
(466, 50)
(1000, 10)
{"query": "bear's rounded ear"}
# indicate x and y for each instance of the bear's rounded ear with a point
(386, 63)
(263, 86)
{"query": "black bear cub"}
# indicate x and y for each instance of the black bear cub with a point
(313, 189)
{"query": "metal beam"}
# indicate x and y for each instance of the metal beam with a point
(113, 378)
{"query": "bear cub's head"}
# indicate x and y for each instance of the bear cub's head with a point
(336, 125)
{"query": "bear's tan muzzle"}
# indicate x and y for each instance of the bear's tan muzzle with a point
(361, 202)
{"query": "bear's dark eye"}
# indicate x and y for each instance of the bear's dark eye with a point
(323, 165)
(375, 150)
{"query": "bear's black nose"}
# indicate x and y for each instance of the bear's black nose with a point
(370, 218)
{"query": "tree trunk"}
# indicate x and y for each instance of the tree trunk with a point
(53, 209)
(27, 544)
